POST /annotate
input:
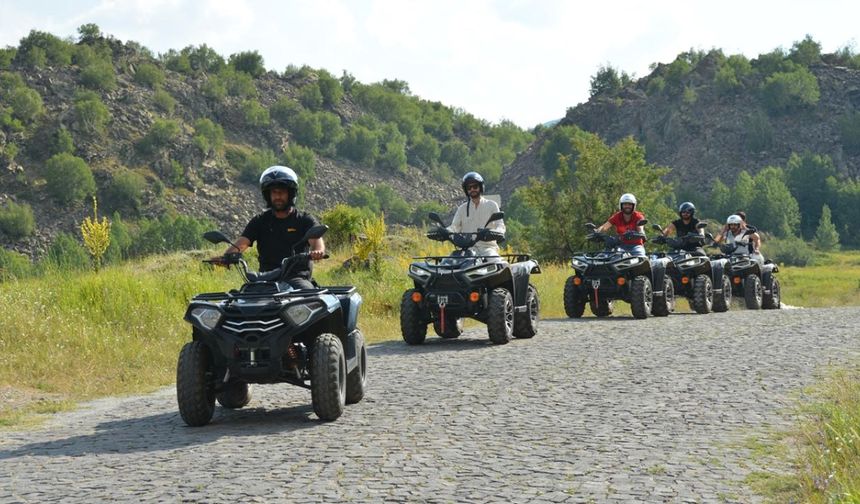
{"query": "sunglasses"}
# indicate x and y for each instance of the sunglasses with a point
(472, 186)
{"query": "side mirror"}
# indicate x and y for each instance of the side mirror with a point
(496, 216)
(701, 225)
(709, 236)
(656, 227)
(312, 234)
(642, 222)
(751, 229)
(215, 237)
(435, 218)
(590, 226)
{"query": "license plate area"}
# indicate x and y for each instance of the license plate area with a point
(442, 300)
(595, 284)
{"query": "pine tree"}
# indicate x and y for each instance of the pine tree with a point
(826, 236)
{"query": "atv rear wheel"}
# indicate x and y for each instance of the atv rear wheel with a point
(703, 294)
(574, 302)
(328, 377)
(500, 319)
(525, 323)
(772, 301)
(195, 392)
(752, 292)
(641, 297)
(453, 327)
(235, 395)
(665, 304)
(412, 325)
(723, 300)
(356, 381)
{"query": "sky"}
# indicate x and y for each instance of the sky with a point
(517, 60)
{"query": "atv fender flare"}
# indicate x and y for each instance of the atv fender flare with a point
(658, 272)
(520, 274)
(351, 315)
(352, 348)
(766, 277)
(718, 269)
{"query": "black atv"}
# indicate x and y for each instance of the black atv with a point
(704, 281)
(599, 278)
(269, 332)
(754, 282)
(494, 290)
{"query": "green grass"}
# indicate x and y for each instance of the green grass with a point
(119, 331)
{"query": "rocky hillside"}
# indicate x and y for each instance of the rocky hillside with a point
(355, 134)
(707, 116)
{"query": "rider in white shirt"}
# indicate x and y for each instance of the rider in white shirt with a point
(736, 233)
(474, 213)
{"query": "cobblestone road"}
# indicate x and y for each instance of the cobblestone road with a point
(613, 410)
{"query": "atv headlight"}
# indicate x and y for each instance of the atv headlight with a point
(418, 271)
(692, 262)
(207, 317)
(486, 270)
(578, 264)
(629, 263)
(298, 314)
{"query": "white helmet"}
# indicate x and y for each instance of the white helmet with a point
(734, 219)
(627, 198)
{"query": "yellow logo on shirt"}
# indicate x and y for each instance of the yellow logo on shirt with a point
(291, 230)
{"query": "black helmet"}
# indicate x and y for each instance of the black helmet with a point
(472, 178)
(687, 207)
(279, 176)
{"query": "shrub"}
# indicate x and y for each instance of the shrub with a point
(344, 224)
(149, 75)
(44, 47)
(607, 80)
(7, 54)
(251, 165)
(255, 115)
(758, 132)
(805, 52)
(69, 178)
(16, 220)
(208, 136)
(424, 151)
(332, 132)
(26, 104)
(214, 88)
(301, 159)
(791, 251)
(125, 191)
(785, 92)
(248, 62)
(456, 154)
(169, 233)
(164, 101)
(306, 128)
(363, 196)
(422, 210)
(826, 236)
(238, 83)
(161, 133)
(284, 110)
(91, 114)
(120, 240)
(99, 75)
(849, 132)
(370, 247)
(62, 142)
(359, 144)
(330, 88)
(393, 156)
(655, 86)
(310, 96)
(14, 265)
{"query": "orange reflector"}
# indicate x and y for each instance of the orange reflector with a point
(736, 280)
(685, 280)
(577, 281)
(621, 281)
(416, 297)
(474, 297)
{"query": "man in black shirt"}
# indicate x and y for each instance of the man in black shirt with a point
(280, 227)
(685, 225)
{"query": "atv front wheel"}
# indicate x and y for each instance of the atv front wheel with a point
(525, 323)
(356, 381)
(195, 392)
(235, 395)
(328, 377)
(600, 309)
(453, 327)
(773, 300)
(752, 292)
(641, 297)
(723, 300)
(412, 325)
(500, 319)
(703, 294)
(665, 304)
(574, 303)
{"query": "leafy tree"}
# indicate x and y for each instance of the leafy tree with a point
(91, 114)
(608, 80)
(791, 251)
(805, 52)
(149, 75)
(39, 48)
(332, 131)
(774, 208)
(393, 153)
(721, 203)
(744, 191)
(424, 151)
(770, 63)
(806, 176)
(208, 136)
(562, 203)
(26, 104)
(456, 154)
(17, 221)
(330, 88)
(255, 115)
(7, 55)
(69, 178)
(89, 33)
(397, 85)
(248, 62)
(826, 236)
(302, 160)
(204, 59)
(785, 92)
(559, 142)
(347, 80)
(846, 211)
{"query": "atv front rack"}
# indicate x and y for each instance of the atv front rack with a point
(511, 258)
(236, 295)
